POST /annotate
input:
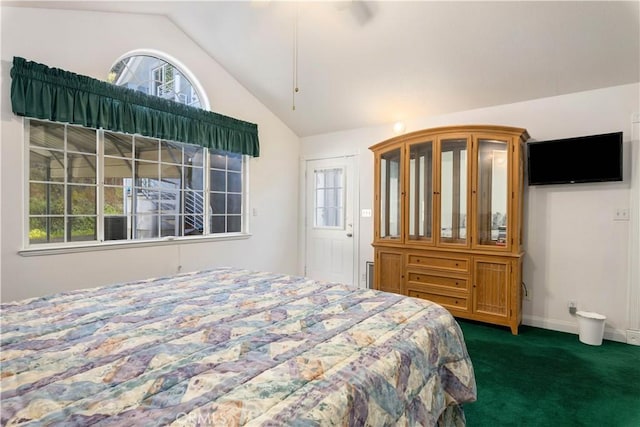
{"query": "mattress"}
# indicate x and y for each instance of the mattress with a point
(230, 347)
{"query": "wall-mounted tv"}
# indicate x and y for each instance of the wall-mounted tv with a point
(594, 158)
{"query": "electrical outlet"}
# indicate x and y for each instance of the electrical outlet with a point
(573, 307)
(526, 295)
(621, 214)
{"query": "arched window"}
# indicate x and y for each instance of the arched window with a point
(154, 73)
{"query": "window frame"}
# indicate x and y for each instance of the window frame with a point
(100, 243)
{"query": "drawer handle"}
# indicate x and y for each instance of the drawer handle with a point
(457, 265)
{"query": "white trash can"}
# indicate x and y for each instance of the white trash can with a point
(591, 327)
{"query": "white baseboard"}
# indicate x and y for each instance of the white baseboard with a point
(611, 334)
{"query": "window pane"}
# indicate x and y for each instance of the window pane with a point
(169, 225)
(193, 155)
(217, 224)
(217, 161)
(38, 230)
(334, 178)
(218, 180)
(329, 198)
(234, 224)
(116, 171)
(146, 200)
(193, 225)
(194, 212)
(81, 139)
(115, 228)
(114, 201)
(46, 199)
(82, 228)
(193, 202)
(194, 178)
(117, 145)
(234, 182)
(82, 168)
(234, 162)
(328, 217)
(171, 152)
(146, 226)
(83, 199)
(172, 173)
(146, 148)
(234, 204)
(146, 170)
(46, 229)
(44, 134)
(218, 203)
(169, 202)
(45, 165)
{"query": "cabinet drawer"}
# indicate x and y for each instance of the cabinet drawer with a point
(439, 281)
(457, 264)
(450, 302)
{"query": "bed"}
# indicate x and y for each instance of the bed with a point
(230, 347)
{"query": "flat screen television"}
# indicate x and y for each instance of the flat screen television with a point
(594, 158)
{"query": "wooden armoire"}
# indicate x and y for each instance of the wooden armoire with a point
(448, 219)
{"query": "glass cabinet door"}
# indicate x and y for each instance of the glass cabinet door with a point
(492, 192)
(421, 191)
(390, 195)
(453, 191)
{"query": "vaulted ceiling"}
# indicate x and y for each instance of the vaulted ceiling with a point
(370, 63)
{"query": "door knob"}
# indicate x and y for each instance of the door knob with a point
(349, 234)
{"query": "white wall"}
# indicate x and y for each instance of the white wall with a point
(88, 43)
(574, 249)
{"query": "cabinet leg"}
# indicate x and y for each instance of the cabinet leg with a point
(514, 329)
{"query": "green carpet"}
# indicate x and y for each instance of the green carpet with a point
(548, 378)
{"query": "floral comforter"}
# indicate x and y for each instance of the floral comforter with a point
(229, 347)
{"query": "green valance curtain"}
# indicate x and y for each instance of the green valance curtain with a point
(48, 93)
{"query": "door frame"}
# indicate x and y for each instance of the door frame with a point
(304, 214)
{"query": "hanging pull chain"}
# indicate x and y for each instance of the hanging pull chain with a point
(295, 60)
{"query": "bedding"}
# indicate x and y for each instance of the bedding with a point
(230, 347)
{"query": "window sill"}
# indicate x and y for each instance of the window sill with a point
(110, 245)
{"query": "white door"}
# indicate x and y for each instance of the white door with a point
(329, 220)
